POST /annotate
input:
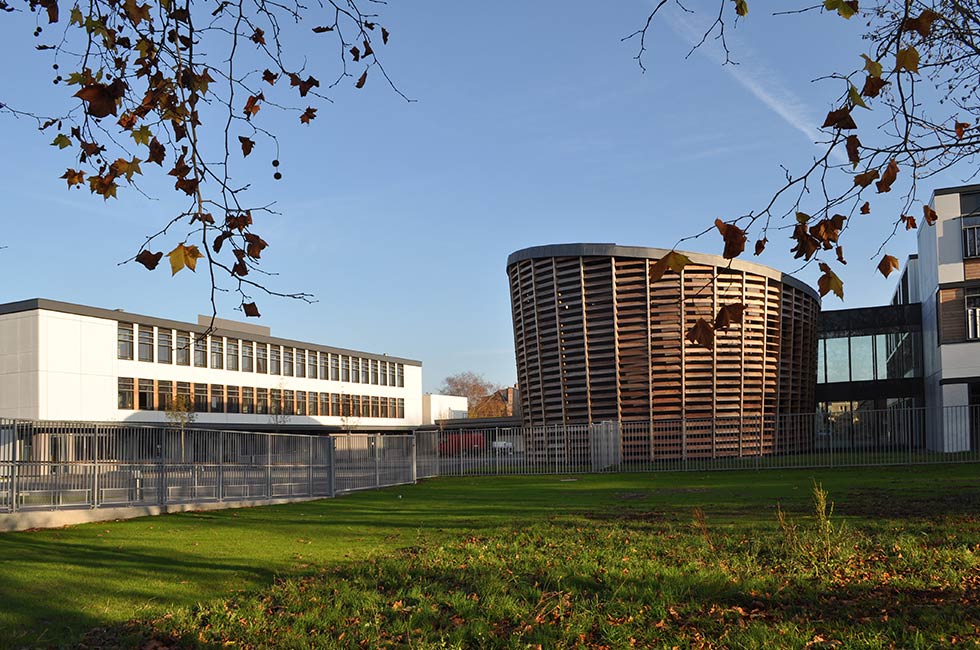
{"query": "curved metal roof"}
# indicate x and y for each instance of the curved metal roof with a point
(640, 252)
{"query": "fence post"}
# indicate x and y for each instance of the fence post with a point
(221, 466)
(332, 465)
(415, 469)
(13, 470)
(377, 462)
(309, 464)
(95, 468)
(268, 465)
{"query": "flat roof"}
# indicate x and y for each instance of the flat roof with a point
(958, 189)
(222, 327)
(640, 252)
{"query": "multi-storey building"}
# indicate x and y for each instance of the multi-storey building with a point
(60, 361)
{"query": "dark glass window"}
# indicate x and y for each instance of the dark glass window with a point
(217, 398)
(311, 365)
(165, 342)
(261, 358)
(261, 400)
(146, 394)
(200, 351)
(287, 362)
(145, 343)
(248, 400)
(233, 403)
(125, 338)
(183, 349)
(126, 393)
(165, 395)
(247, 356)
(201, 398)
(334, 368)
(232, 355)
(274, 368)
(217, 353)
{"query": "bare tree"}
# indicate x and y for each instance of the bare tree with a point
(180, 414)
(475, 388)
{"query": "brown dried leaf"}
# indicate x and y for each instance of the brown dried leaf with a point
(929, 214)
(887, 265)
(866, 208)
(729, 315)
(269, 77)
(840, 255)
(250, 309)
(888, 178)
(866, 178)
(761, 246)
(701, 334)
(308, 115)
(247, 145)
(853, 146)
(830, 282)
(873, 86)
(840, 119)
(673, 260)
(909, 222)
(148, 259)
(922, 24)
(734, 239)
(361, 80)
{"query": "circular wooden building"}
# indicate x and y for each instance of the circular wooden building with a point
(596, 340)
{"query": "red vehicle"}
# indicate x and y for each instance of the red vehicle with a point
(454, 444)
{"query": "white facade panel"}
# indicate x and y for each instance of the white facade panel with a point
(443, 407)
(949, 238)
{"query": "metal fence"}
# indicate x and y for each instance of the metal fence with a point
(52, 465)
(841, 439)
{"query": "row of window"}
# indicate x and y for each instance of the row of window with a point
(186, 348)
(161, 395)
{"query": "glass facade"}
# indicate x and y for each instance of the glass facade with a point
(872, 357)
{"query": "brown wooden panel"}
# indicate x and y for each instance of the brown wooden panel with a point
(952, 315)
(971, 268)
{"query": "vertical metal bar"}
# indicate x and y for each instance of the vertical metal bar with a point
(268, 465)
(331, 463)
(221, 466)
(14, 468)
(377, 461)
(309, 463)
(415, 469)
(95, 467)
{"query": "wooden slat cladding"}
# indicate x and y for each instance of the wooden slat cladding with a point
(952, 315)
(596, 340)
(971, 268)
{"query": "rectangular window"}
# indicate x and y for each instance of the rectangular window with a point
(384, 373)
(335, 404)
(248, 400)
(311, 403)
(232, 355)
(165, 395)
(126, 393)
(973, 316)
(261, 401)
(125, 338)
(201, 398)
(324, 364)
(233, 405)
(401, 408)
(200, 351)
(217, 398)
(311, 365)
(334, 367)
(183, 401)
(325, 404)
(275, 401)
(165, 340)
(287, 362)
(146, 394)
(385, 413)
(375, 410)
(288, 403)
(274, 367)
(300, 402)
(365, 372)
(374, 371)
(145, 343)
(345, 371)
(247, 356)
(345, 405)
(301, 363)
(971, 236)
(183, 349)
(400, 377)
(217, 352)
(261, 358)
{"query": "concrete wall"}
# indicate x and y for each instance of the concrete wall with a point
(443, 407)
(19, 373)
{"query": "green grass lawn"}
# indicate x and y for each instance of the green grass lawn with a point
(688, 560)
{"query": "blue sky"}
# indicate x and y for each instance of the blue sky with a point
(532, 125)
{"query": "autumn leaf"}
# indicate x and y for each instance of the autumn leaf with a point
(269, 77)
(308, 115)
(105, 186)
(219, 240)
(356, 53)
(367, 49)
(361, 80)
(840, 255)
(252, 105)
(907, 59)
(866, 208)
(100, 99)
(701, 333)
(321, 29)
(866, 178)
(187, 184)
(157, 152)
(61, 141)
(826, 231)
(142, 135)
(922, 24)
(247, 145)
(873, 86)
(254, 245)
(960, 128)
(734, 239)
(887, 265)
(729, 315)
(909, 222)
(830, 282)
(304, 86)
(250, 309)
(123, 167)
(148, 259)
(839, 119)
(136, 13)
(873, 67)
(888, 178)
(741, 7)
(845, 8)
(761, 246)
(183, 256)
(258, 37)
(853, 146)
(673, 260)
(384, 35)
(855, 96)
(73, 177)
(929, 215)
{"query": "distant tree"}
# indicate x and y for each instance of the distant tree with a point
(475, 388)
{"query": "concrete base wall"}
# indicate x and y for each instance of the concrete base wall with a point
(58, 518)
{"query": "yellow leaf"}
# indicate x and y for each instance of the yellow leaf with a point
(907, 59)
(830, 282)
(142, 135)
(873, 67)
(673, 260)
(845, 8)
(61, 141)
(183, 256)
(741, 7)
(855, 96)
(75, 17)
